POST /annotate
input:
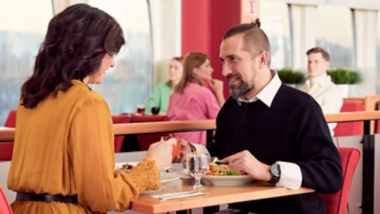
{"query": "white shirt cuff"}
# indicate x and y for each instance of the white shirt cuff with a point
(291, 176)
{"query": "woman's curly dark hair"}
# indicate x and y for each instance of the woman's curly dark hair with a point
(74, 45)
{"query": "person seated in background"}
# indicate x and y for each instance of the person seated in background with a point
(63, 159)
(270, 131)
(190, 100)
(161, 93)
(204, 75)
(319, 84)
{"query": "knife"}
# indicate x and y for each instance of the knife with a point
(168, 196)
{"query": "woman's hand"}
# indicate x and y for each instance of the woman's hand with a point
(217, 88)
(161, 152)
(185, 148)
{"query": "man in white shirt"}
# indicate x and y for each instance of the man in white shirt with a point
(319, 84)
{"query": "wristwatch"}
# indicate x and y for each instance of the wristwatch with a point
(275, 172)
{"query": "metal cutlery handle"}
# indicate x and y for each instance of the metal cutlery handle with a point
(168, 196)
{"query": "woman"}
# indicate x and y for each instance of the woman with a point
(161, 93)
(203, 74)
(63, 160)
(192, 101)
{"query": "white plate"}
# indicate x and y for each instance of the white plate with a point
(233, 180)
(167, 177)
(119, 165)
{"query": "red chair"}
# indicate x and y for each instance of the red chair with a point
(350, 128)
(4, 205)
(6, 148)
(120, 139)
(144, 140)
(11, 119)
(336, 203)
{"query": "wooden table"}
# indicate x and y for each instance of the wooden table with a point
(6, 134)
(215, 195)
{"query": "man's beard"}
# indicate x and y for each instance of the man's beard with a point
(239, 89)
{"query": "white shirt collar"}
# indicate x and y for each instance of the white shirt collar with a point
(319, 81)
(266, 95)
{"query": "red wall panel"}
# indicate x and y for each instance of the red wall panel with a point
(195, 26)
(204, 23)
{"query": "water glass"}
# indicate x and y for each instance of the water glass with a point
(155, 110)
(197, 165)
(141, 109)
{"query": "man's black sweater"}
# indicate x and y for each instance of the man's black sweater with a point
(292, 129)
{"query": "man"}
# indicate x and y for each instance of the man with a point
(270, 131)
(319, 84)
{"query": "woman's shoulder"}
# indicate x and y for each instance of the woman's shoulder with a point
(196, 88)
(83, 93)
(165, 86)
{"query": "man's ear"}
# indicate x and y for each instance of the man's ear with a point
(327, 65)
(263, 59)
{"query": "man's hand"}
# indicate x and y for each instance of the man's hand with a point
(245, 162)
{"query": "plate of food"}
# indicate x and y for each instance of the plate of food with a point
(224, 175)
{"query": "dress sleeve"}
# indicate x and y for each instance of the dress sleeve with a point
(99, 186)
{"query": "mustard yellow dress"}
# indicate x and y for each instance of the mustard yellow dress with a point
(65, 146)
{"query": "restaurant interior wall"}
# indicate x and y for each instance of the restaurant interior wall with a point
(203, 26)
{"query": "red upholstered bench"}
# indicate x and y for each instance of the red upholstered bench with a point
(6, 148)
(144, 140)
(120, 139)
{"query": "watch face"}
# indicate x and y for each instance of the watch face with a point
(275, 170)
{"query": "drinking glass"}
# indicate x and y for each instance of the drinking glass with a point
(141, 109)
(197, 165)
(155, 110)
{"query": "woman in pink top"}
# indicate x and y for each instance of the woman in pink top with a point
(192, 101)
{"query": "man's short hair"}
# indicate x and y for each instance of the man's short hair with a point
(324, 53)
(254, 38)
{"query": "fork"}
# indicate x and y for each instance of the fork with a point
(215, 160)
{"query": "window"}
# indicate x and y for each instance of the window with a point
(338, 43)
(275, 23)
(22, 29)
(130, 83)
